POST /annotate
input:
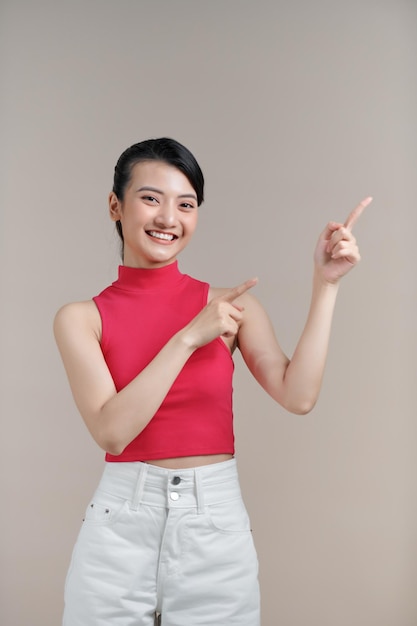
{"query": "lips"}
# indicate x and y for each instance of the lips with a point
(156, 234)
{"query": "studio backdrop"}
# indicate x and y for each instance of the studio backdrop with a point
(296, 111)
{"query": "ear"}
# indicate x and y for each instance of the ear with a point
(115, 207)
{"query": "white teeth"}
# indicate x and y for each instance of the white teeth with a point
(165, 236)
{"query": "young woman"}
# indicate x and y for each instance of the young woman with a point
(149, 361)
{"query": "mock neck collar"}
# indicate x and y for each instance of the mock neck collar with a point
(141, 279)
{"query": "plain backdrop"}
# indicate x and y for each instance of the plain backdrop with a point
(296, 111)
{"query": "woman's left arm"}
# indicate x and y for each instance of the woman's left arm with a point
(296, 383)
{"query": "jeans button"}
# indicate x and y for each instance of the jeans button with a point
(176, 480)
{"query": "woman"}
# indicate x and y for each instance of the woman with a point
(150, 367)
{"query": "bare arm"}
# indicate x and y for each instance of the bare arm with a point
(115, 418)
(296, 383)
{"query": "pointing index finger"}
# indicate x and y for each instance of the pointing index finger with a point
(235, 292)
(357, 211)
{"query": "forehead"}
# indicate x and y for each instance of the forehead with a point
(160, 175)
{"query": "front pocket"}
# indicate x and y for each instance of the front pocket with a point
(229, 517)
(104, 509)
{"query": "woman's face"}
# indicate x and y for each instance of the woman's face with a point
(158, 214)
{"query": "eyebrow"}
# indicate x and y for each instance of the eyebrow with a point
(183, 195)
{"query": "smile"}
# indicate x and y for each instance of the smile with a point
(163, 236)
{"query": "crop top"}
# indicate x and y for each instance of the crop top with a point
(140, 312)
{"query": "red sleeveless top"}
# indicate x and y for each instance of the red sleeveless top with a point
(140, 312)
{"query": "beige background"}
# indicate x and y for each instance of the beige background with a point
(296, 111)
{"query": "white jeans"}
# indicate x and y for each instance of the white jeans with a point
(175, 542)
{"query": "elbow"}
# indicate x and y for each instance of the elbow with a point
(113, 448)
(108, 434)
(113, 431)
(110, 443)
(301, 406)
(303, 409)
(296, 405)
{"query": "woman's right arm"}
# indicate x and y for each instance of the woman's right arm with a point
(114, 418)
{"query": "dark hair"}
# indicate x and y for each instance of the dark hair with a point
(164, 149)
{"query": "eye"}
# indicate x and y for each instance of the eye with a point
(186, 206)
(150, 199)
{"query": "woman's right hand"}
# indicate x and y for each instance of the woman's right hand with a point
(221, 317)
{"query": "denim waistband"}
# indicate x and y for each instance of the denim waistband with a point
(143, 483)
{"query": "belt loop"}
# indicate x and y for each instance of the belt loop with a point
(140, 485)
(199, 492)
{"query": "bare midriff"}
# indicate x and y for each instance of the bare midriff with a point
(185, 462)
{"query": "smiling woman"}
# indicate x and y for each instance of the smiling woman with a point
(162, 151)
(157, 214)
(149, 361)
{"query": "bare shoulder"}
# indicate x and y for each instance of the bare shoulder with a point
(77, 316)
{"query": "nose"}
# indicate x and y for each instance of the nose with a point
(166, 215)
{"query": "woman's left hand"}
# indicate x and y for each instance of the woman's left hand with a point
(336, 251)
